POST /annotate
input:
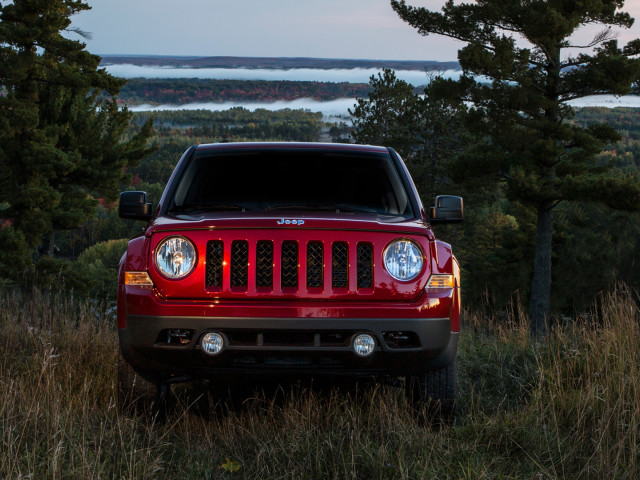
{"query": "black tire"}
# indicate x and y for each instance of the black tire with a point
(436, 390)
(135, 393)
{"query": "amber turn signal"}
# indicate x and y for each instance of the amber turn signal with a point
(138, 279)
(440, 281)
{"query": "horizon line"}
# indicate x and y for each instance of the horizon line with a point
(157, 55)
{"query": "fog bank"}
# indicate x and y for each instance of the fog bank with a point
(328, 108)
(339, 107)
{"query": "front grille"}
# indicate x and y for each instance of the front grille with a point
(239, 263)
(248, 264)
(315, 265)
(289, 264)
(215, 258)
(340, 265)
(365, 265)
(264, 264)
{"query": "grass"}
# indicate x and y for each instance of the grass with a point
(568, 407)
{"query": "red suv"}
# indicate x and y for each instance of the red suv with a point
(289, 258)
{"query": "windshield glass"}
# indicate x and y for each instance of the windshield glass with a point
(291, 180)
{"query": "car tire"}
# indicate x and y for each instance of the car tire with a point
(435, 390)
(135, 393)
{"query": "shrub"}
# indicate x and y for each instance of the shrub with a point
(98, 267)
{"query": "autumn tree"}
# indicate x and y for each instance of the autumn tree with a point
(63, 139)
(520, 68)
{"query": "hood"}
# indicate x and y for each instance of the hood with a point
(290, 220)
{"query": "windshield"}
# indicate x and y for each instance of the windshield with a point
(291, 180)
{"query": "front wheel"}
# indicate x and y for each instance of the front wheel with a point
(435, 389)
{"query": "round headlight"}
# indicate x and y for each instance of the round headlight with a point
(175, 257)
(403, 259)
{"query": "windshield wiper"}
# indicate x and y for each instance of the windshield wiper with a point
(206, 207)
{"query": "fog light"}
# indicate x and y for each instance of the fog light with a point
(212, 343)
(364, 345)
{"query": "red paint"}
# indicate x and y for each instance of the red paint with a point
(147, 302)
(388, 298)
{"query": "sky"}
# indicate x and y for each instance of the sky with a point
(363, 29)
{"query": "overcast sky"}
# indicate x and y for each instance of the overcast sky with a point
(366, 29)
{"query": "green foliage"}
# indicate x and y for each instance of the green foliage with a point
(94, 274)
(494, 247)
(594, 247)
(526, 144)
(425, 132)
(107, 253)
(62, 147)
(389, 115)
(601, 244)
(98, 267)
(13, 253)
(235, 124)
(189, 90)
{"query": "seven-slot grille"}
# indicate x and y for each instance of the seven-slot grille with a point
(263, 259)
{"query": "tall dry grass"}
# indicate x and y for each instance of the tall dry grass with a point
(568, 407)
(589, 390)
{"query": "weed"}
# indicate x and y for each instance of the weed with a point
(568, 407)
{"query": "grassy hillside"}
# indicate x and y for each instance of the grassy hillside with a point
(567, 408)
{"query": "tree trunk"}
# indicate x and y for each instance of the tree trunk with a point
(49, 244)
(541, 283)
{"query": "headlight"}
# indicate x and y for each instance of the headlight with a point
(175, 257)
(403, 259)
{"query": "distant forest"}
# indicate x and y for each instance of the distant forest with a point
(274, 62)
(190, 90)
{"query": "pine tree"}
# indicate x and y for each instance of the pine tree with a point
(389, 115)
(524, 51)
(423, 131)
(62, 136)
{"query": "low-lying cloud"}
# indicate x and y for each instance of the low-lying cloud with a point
(340, 106)
(330, 108)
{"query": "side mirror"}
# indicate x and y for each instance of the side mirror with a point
(448, 209)
(134, 205)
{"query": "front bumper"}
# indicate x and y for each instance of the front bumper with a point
(286, 346)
